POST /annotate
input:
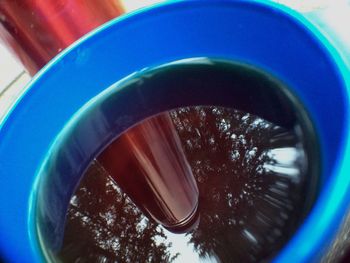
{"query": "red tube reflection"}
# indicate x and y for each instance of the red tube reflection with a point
(149, 164)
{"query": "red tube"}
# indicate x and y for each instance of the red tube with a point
(37, 30)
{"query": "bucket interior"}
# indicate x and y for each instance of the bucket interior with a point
(217, 160)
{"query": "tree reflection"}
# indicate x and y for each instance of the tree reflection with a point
(248, 210)
(250, 177)
(103, 225)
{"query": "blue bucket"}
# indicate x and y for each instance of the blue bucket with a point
(267, 36)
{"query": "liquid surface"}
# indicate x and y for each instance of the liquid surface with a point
(208, 161)
(249, 193)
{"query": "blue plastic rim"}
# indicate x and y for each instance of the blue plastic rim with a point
(266, 36)
(109, 114)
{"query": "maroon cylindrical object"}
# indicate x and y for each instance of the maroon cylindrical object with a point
(37, 30)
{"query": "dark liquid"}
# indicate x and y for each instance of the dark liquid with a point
(235, 185)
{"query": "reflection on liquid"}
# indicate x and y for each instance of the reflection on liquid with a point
(151, 155)
(105, 226)
(251, 178)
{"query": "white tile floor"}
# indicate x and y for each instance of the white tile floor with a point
(9, 68)
(13, 79)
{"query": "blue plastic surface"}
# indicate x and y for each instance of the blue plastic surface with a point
(266, 36)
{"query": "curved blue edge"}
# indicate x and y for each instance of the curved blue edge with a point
(55, 94)
(331, 209)
(109, 114)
